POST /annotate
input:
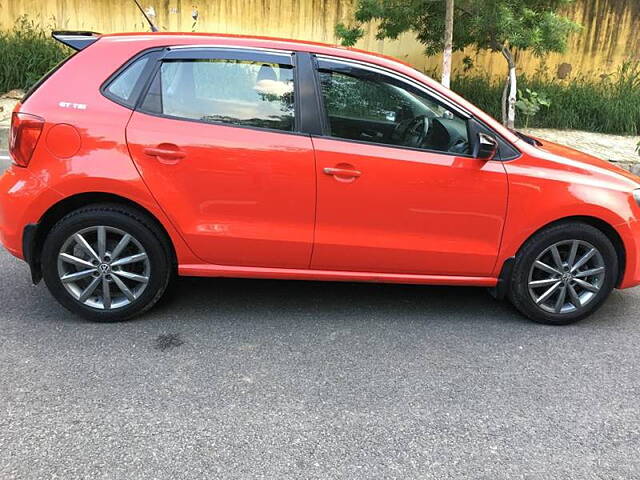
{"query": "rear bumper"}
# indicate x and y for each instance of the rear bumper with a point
(23, 200)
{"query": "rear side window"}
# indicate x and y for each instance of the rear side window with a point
(121, 88)
(236, 92)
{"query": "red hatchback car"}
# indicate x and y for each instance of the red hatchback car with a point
(149, 155)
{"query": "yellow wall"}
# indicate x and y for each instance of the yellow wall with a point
(611, 33)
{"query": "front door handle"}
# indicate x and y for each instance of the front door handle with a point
(166, 151)
(342, 172)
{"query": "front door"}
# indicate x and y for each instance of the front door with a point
(398, 191)
(215, 141)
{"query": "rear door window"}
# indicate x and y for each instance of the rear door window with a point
(231, 91)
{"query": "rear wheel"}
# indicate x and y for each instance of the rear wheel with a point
(564, 273)
(106, 262)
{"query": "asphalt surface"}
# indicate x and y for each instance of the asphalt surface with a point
(244, 379)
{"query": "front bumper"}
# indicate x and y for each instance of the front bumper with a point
(630, 235)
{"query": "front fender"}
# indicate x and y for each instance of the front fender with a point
(542, 192)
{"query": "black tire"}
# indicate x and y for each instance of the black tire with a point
(129, 220)
(519, 292)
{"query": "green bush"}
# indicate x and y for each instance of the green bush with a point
(609, 104)
(27, 52)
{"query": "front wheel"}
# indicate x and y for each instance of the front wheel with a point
(106, 262)
(563, 273)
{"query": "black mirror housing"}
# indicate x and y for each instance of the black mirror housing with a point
(486, 147)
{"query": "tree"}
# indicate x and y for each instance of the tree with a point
(504, 26)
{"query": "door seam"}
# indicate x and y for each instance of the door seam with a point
(315, 209)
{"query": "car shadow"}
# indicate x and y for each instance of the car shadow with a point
(231, 298)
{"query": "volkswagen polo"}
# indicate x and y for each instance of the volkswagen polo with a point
(146, 156)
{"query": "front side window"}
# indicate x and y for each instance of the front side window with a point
(372, 107)
(237, 92)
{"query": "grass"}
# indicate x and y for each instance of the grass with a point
(609, 104)
(27, 52)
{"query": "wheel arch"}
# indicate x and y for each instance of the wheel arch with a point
(35, 234)
(605, 227)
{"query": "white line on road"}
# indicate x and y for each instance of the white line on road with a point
(5, 157)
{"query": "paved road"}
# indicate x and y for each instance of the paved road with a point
(247, 379)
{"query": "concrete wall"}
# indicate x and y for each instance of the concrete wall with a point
(611, 34)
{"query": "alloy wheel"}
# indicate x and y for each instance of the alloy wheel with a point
(566, 276)
(103, 267)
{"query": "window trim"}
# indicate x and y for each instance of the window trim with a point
(223, 124)
(189, 52)
(225, 46)
(436, 96)
(396, 147)
(230, 53)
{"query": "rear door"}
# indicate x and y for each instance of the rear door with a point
(216, 141)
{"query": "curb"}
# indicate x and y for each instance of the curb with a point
(4, 138)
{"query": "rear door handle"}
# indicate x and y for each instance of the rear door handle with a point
(168, 152)
(342, 172)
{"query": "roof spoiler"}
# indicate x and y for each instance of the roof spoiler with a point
(77, 40)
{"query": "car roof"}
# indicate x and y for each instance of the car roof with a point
(198, 38)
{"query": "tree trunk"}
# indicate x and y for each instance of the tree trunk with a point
(503, 102)
(511, 111)
(513, 88)
(448, 45)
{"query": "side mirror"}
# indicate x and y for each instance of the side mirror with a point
(486, 147)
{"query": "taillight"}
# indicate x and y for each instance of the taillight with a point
(25, 132)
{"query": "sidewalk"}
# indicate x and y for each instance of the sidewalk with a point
(617, 149)
(7, 103)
